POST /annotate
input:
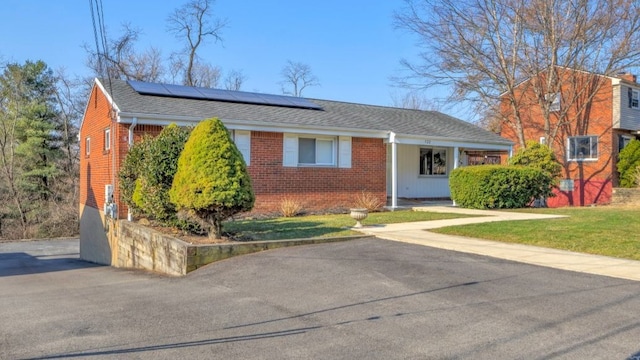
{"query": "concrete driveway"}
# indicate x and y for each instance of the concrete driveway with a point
(362, 299)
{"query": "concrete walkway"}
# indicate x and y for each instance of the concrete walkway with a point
(416, 233)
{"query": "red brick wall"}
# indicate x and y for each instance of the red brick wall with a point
(315, 188)
(593, 179)
(96, 169)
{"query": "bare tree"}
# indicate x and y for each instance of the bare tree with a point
(121, 61)
(415, 101)
(485, 49)
(234, 80)
(194, 23)
(296, 77)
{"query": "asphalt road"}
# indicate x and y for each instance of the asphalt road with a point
(362, 299)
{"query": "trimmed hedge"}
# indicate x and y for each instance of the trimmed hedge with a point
(498, 187)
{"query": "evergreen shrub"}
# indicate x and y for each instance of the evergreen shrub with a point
(628, 164)
(212, 181)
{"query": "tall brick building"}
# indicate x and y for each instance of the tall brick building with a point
(318, 152)
(586, 119)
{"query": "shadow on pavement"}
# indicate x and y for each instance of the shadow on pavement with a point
(20, 263)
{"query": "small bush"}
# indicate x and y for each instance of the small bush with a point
(628, 162)
(290, 207)
(637, 174)
(367, 200)
(498, 187)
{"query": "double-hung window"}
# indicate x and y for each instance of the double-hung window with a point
(433, 161)
(634, 98)
(581, 148)
(316, 151)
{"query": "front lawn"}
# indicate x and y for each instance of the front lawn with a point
(322, 225)
(608, 230)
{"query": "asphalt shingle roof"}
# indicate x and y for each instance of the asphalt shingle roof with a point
(335, 114)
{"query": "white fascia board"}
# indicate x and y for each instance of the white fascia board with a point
(163, 120)
(449, 142)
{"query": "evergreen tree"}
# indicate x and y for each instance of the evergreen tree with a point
(212, 179)
(29, 140)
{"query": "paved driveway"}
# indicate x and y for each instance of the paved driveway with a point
(363, 299)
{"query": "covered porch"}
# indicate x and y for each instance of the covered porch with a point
(418, 168)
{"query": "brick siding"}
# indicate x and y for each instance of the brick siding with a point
(315, 188)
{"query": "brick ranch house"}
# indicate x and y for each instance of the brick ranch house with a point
(321, 153)
(594, 115)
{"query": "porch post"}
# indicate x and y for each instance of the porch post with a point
(456, 162)
(394, 170)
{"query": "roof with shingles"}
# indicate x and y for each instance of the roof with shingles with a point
(335, 115)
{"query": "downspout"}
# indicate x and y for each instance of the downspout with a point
(134, 122)
(394, 170)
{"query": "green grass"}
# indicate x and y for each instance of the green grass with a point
(609, 231)
(322, 225)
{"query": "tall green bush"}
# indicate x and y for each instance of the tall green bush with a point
(151, 193)
(628, 163)
(538, 156)
(498, 187)
(130, 171)
(147, 173)
(212, 180)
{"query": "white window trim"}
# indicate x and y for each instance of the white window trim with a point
(107, 139)
(591, 137)
(87, 146)
(341, 150)
(543, 140)
(635, 96)
(446, 159)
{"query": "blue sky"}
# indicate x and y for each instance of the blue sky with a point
(351, 46)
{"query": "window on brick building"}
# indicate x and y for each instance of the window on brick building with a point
(316, 151)
(582, 148)
(107, 139)
(87, 146)
(305, 150)
(433, 161)
(554, 101)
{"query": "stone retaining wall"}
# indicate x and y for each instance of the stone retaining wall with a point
(140, 247)
(622, 196)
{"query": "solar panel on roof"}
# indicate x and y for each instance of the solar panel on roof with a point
(180, 91)
(276, 100)
(304, 103)
(217, 94)
(184, 91)
(148, 88)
